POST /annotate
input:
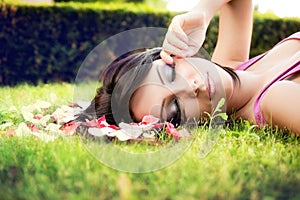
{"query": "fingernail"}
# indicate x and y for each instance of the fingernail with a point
(169, 60)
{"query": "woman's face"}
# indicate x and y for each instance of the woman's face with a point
(184, 91)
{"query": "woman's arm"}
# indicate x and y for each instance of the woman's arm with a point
(235, 31)
(187, 31)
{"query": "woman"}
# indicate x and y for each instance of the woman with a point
(264, 90)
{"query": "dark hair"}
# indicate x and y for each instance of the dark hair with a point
(138, 62)
(130, 70)
(231, 72)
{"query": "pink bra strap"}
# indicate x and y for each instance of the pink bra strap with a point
(250, 62)
(257, 111)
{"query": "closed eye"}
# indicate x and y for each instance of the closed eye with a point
(174, 112)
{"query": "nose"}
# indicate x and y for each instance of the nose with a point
(189, 88)
(197, 86)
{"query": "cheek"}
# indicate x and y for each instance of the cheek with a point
(194, 109)
(186, 72)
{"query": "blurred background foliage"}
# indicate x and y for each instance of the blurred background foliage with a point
(48, 42)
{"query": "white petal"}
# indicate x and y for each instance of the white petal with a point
(66, 108)
(51, 127)
(63, 114)
(23, 130)
(122, 136)
(28, 116)
(149, 135)
(99, 132)
(133, 127)
(43, 121)
(133, 133)
(5, 126)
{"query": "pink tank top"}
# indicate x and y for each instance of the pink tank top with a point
(286, 73)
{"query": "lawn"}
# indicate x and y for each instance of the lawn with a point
(245, 163)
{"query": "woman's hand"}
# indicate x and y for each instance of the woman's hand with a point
(185, 36)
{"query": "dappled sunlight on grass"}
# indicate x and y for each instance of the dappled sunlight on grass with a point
(245, 163)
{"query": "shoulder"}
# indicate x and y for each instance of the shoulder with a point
(281, 106)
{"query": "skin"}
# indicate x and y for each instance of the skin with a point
(186, 33)
(280, 105)
(197, 82)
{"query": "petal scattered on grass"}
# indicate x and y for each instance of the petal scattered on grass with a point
(39, 123)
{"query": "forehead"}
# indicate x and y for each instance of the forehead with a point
(147, 99)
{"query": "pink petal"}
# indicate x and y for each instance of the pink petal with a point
(102, 119)
(113, 127)
(158, 125)
(92, 123)
(171, 130)
(39, 116)
(10, 132)
(149, 119)
(32, 127)
(70, 128)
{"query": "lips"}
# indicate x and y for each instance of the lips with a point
(211, 87)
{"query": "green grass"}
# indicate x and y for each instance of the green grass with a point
(246, 163)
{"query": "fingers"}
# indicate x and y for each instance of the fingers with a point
(176, 29)
(183, 39)
(175, 40)
(173, 44)
(166, 57)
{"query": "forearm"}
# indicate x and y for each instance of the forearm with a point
(209, 8)
(235, 31)
(187, 31)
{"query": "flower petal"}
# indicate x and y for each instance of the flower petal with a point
(149, 119)
(122, 135)
(150, 135)
(134, 131)
(92, 123)
(27, 115)
(23, 130)
(171, 130)
(99, 132)
(63, 114)
(70, 128)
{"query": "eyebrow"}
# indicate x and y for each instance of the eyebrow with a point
(164, 100)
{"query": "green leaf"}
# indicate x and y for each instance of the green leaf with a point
(223, 116)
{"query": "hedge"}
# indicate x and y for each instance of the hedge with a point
(49, 43)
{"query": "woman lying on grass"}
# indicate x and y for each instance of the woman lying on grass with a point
(264, 90)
